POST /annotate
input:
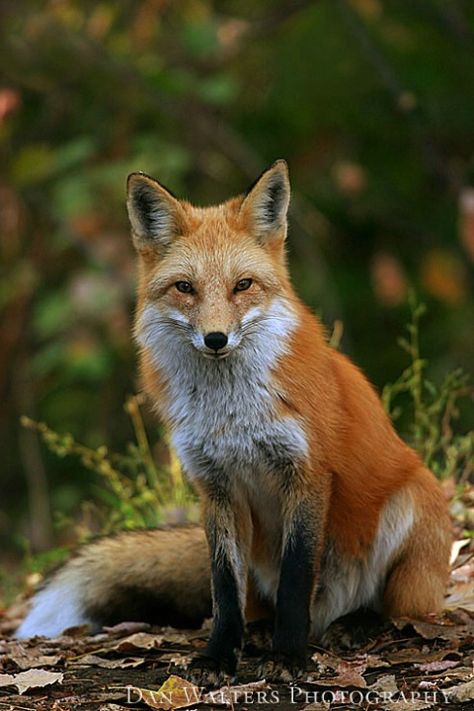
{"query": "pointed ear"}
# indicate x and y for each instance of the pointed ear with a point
(265, 205)
(156, 216)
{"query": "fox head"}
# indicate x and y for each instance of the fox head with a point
(213, 279)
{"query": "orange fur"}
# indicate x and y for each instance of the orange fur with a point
(416, 584)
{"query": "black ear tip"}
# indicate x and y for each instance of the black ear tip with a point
(281, 164)
(137, 175)
(139, 178)
(279, 169)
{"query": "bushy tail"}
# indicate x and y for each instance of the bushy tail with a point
(160, 576)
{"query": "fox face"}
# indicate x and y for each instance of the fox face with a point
(211, 278)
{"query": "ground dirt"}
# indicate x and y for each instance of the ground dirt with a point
(401, 665)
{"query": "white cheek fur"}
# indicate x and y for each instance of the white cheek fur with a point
(177, 315)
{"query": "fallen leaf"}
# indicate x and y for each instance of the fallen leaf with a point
(385, 684)
(230, 695)
(139, 640)
(123, 663)
(372, 661)
(426, 684)
(436, 630)
(456, 548)
(77, 631)
(463, 574)
(175, 693)
(461, 673)
(78, 700)
(32, 679)
(7, 680)
(461, 595)
(437, 666)
(347, 674)
(178, 660)
(31, 659)
(411, 655)
(127, 627)
(462, 692)
(171, 636)
(462, 617)
(407, 705)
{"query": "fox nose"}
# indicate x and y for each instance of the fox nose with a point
(215, 340)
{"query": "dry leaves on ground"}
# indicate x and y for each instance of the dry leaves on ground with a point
(409, 665)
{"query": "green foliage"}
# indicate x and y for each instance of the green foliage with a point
(134, 491)
(428, 409)
(41, 563)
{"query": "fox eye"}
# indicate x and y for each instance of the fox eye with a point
(243, 285)
(185, 287)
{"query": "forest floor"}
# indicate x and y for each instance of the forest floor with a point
(404, 665)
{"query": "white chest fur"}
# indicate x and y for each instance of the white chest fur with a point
(223, 413)
(226, 423)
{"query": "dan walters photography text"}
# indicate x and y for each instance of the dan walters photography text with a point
(249, 694)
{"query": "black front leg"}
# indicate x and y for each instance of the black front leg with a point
(295, 594)
(227, 547)
(226, 637)
(294, 597)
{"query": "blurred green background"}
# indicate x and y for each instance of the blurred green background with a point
(371, 103)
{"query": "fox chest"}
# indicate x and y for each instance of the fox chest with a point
(228, 426)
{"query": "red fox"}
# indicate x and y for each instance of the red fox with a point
(311, 501)
(310, 498)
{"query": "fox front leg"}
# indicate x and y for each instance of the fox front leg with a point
(227, 543)
(298, 578)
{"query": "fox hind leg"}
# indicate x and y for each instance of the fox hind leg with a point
(416, 584)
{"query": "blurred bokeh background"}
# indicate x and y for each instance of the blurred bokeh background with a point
(370, 101)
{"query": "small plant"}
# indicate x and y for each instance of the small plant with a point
(137, 493)
(429, 410)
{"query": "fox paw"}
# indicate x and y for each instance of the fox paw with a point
(278, 668)
(209, 673)
(259, 637)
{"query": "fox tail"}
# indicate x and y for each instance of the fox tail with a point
(161, 576)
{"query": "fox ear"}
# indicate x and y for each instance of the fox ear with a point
(265, 204)
(155, 214)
